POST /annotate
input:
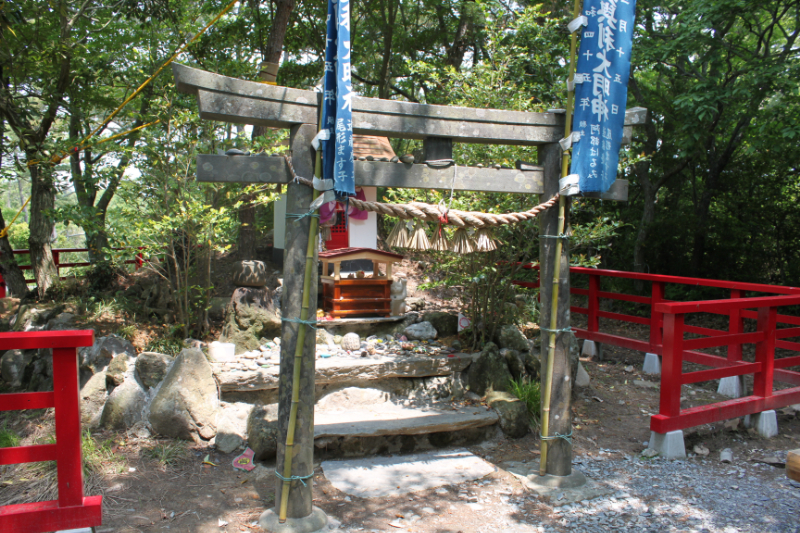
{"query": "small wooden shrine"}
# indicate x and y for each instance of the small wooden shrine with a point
(357, 294)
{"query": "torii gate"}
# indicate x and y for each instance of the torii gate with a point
(246, 102)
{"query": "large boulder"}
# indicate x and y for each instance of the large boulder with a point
(249, 317)
(186, 405)
(489, 372)
(13, 365)
(97, 357)
(262, 431)
(232, 426)
(514, 416)
(125, 405)
(510, 337)
(61, 322)
(533, 364)
(446, 324)
(93, 399)
(30, 318)
(250, 274)
(117, 369)
(423, 331)
(151, 367)
(516, 364)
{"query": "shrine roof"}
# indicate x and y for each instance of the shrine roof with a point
(377, 147)
(345, 254)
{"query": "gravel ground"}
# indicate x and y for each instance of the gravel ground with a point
(699, 495)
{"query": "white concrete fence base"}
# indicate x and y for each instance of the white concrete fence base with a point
(668, 445)
(652, 365)
(765, 423)
(732, 387)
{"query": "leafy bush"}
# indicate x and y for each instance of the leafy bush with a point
(529, 392)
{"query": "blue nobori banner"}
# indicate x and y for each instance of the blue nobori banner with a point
(601, 91)
(337, 109)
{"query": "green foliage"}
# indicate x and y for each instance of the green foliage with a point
(167, 453)
(167, 344)
(8, 439)
(529, 392)
(127, 332)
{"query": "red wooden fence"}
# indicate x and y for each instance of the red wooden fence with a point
(765, 368)
(667, 327)
(72, 509)
(137, 260)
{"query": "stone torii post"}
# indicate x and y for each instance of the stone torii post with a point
(246, 102)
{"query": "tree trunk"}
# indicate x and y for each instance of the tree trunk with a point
(455, 55)
(41, 225)
(390, 15)
(15, 280)
(270, 54)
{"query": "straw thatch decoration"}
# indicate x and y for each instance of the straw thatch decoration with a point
(398, 238)
(485, 241)
(440, 242)
(419, 239)
(462, 243)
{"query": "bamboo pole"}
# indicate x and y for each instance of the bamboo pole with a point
(562, 203)
(301, 337)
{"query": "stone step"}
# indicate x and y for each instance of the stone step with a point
(343, 370)
(393, 419)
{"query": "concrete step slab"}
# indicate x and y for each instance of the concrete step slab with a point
(343, 370)
(394, 419)
(382, 477)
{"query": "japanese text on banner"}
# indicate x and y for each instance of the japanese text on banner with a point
(337, 112)
(601, 91)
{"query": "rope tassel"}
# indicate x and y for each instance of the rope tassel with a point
(440, 242)
(485, 241)
(419, 239)
(398, 238)
(462, 242)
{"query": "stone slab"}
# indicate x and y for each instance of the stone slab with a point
(395, 419)
(381, 477)
(339, 370)
(551, 490)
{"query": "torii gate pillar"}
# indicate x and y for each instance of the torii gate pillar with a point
(559, 451)
(301, 516)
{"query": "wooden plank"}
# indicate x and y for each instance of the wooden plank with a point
(37, 517)
(32, 340)
(268, 169)
(232, 108)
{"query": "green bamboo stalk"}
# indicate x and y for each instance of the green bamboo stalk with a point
(551, 348)
(298, 352)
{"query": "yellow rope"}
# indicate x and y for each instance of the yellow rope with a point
(58, 158)
(4, 231)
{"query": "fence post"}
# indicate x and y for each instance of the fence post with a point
(736, 325)
(594, 304)
(672, 365)
(765, 351)
(68, 427)
(56, 257)
(656, 319)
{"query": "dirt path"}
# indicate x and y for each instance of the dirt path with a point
(611, 426)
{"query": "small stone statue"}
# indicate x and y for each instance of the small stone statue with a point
(398, 291)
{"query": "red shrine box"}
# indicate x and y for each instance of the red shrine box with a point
(354, 296)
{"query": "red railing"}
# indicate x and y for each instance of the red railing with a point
(765, 368)
(138, 260)
(661, 323)
(72, 509)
